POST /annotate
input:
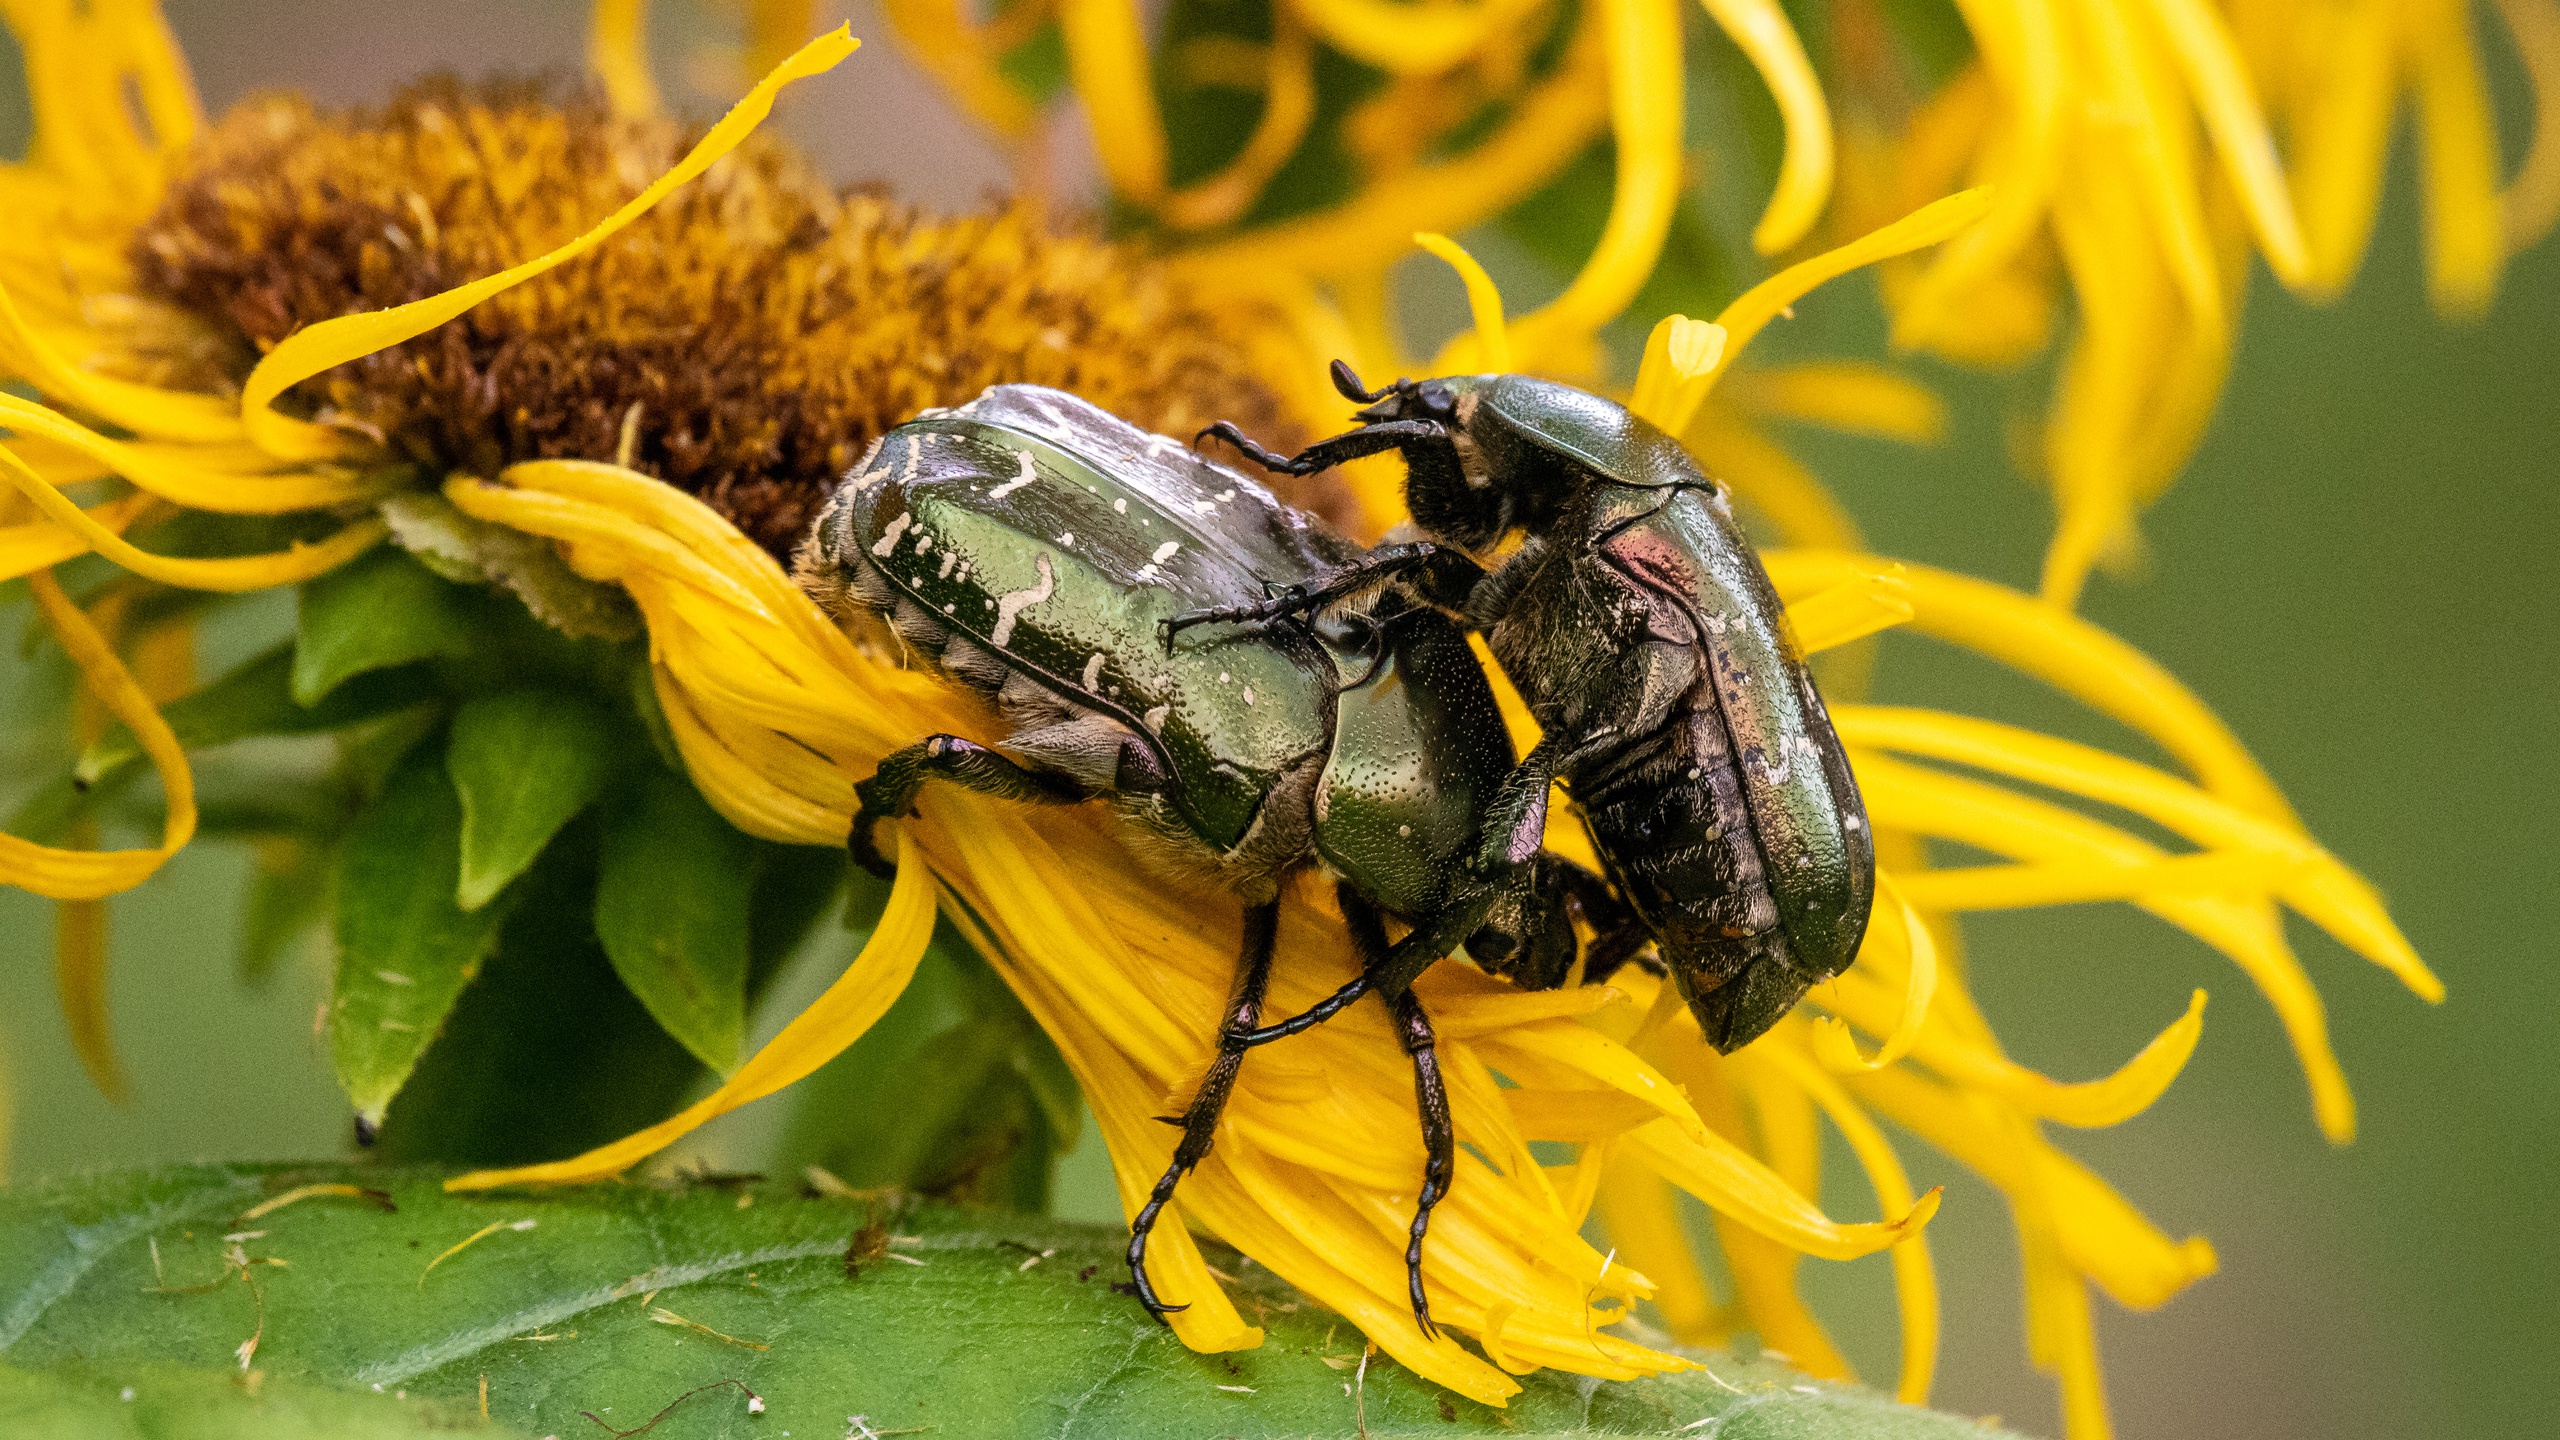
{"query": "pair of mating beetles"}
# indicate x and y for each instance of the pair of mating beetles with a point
(1259, 694)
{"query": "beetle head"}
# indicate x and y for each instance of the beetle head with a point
(1403, 400)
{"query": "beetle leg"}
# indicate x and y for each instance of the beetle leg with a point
(891, 791)
(1200, 1121)
(1617, 932)
(1439, 567)
(1369, 439)
(1430, 1094)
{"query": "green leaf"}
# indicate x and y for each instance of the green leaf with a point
(955, 1093)
(461, 548)
(546, 1054)
(405, 950)
(523, 761)
(169, 1402)
(254, 699)
(383, 610)
(673, 882)
(622, 1300)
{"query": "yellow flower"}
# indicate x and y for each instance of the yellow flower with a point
(2139, 150)
(777, 712)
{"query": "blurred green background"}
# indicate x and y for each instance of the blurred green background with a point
(2358, 573)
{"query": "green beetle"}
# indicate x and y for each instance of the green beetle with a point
(1040, 551)
(1655, 654)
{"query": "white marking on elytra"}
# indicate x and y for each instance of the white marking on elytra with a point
(1093, 670)
(1404, 832)
(1163, 552)
(1203, 507)
(1248, 697)
(1066, 537)
(924, 541)
(949, 559)
(1224, 677)
(1026, 477)
(907, 471)
(1154, 719)
(1120, 506)
(1223, 496)
(889, 534)
(1011, 606)
(1056, 421)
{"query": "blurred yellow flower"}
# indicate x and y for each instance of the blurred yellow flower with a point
(777, 713)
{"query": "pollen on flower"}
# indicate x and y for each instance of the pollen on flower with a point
(765, 326)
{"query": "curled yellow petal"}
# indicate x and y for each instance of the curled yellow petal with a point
(25, 549)
(1851, 610)
(226, 479)
(2458, 153)
(1832, 1043)
(1492, 341)
(1107, 60)
(1763, 302)
(1410, 39)
(316, 348)
(1740, 1187)
(1645, 116)
(143, 409)
(1288, 108)
(2308, 877)
(837, 1018)
(941, 39)
(1548, 126)
(231, 574)
(1765, 35)
(2531, 204)
(2020, 887)
(94, 874)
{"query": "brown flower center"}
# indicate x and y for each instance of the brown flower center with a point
(751, 335)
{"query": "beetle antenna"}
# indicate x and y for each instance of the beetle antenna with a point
(1349, 384)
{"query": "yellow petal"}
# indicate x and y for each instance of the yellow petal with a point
(2309, 878)
(2531, 205)
(2248, 931)
(143, 409)
(2458, 170)
(1855, 397)
(1492, 348)
(1406, 39)
(25, 549)
(2068, 653)
(232, 574)
(1642, 1217)
(1915, 1277)
(2204, 49)
(1548, 125)
(1762, 303)
(94, 874)
(1645, 116)
(818, 1034)
(316, 348)
(951, 48)
(1851, 610)
(1288, 109)
(618, 55)
(218, 477)
(1107, 61)
(1766, 36)
(1917, 957)
(2342, 141)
